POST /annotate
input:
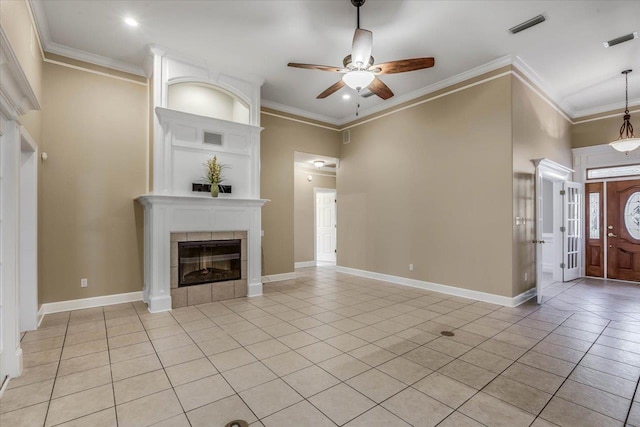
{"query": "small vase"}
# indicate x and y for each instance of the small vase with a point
(214, 190)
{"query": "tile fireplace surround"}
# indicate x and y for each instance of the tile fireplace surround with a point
(207, 292)
(177, 216)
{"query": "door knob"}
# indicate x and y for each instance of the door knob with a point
(612, 235)
(541, 241)
(610, 227)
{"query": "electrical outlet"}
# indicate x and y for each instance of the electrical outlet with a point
(83, 283)
(410, 267)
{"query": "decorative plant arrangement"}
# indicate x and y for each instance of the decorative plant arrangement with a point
(214, 174)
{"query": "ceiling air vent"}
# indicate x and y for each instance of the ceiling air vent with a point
(212, 138)
(346, 137)
(527, 24)
(622, 39)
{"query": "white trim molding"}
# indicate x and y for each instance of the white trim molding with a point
(278, 277)
(79, 304)
(303, 264)
(16, 92)
(443, 289)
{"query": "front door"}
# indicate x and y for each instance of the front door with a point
(623, 230)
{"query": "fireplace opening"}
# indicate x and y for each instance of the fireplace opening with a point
(208, 261)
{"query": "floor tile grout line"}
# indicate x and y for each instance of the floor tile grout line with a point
(635, 393)
(113, 387)
(90, 388)
(222, 376)
(567, 379)
(57, 370)
(499, 374)
(307, 398)
(165, 373)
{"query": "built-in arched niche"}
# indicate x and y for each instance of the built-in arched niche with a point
(207, 100)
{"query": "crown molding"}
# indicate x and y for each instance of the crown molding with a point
(515, 61)
(543, 87)
(442, 84)
(299, 112)
(605, 109)
(16, 92)
(92, 58)
(40, 18)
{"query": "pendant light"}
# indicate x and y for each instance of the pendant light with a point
(626, 141)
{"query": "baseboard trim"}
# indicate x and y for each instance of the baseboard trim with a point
(444, 289)
(78, 304)
(278, 277)
(254, 290)
(304, 264)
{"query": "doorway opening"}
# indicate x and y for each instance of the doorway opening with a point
(558, 226)
(314, 190)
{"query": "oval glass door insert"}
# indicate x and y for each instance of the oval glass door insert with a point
(632, 215)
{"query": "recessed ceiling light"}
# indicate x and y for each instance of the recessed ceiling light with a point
(318, 163)
(131, 22)
(346, 96)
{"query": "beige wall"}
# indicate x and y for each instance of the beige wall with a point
(601, 131)
(95, 132)
(279, 139)
(304, 210)
(17, 25)
(539, 131)
(432, 186)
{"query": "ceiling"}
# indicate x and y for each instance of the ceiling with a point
(256, 39)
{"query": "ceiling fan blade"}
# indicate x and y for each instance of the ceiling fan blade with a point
(361, 47)
(332, 89)
(378, 87)
(317, 67)
(403, 65)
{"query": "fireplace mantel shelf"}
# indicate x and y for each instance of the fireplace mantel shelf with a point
(147, 199)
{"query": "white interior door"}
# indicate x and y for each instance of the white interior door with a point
(572, 230)
(326, 226)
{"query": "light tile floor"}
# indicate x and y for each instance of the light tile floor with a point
(332, 349)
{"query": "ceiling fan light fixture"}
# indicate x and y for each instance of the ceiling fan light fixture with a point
(626, 141)
(358, 79)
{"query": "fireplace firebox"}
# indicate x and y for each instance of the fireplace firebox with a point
(208, 261)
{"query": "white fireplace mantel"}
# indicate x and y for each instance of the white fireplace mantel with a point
(165, 214)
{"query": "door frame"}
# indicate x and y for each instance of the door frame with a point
(28, 285)
(556, 173)
(317, 190)
(601, 156)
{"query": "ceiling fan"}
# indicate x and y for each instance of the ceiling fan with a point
(359, 71)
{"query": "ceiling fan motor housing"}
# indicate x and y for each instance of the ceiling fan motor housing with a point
(357, 3)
